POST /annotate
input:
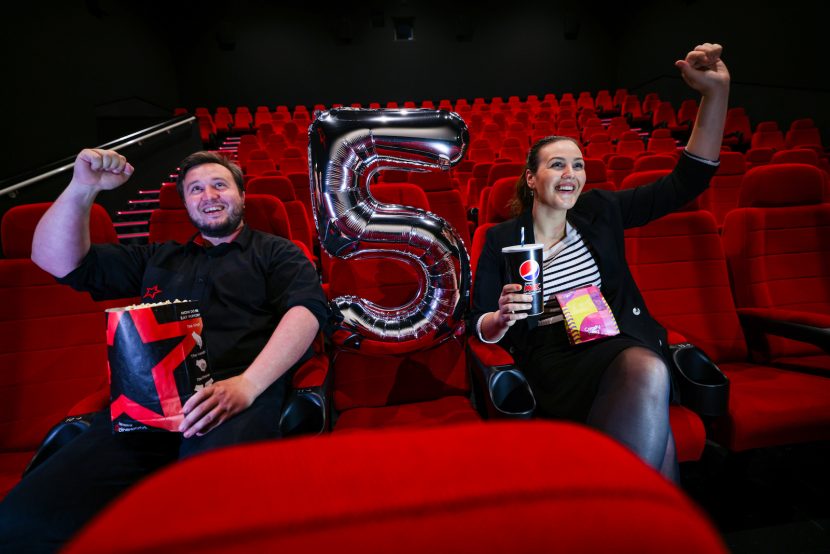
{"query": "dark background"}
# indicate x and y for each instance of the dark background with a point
(78, 73)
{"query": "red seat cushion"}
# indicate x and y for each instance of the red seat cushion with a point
(501, 487)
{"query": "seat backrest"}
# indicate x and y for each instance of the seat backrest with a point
(796, 156)
(362, 381)
(498, 202)
(444, 200)
(725, 186)
(53, 348)
(267, 214)
(777, 245)
(803, 132)
(768, 135)
(18, 228)
(274, 185)
(640, 178)
(477, 183)
(293, 161)
(499, 171)
(596, 176)
(650, 163)
(630, 143)
(617, 167)
(405, 194)
(680, 268)
(302, 190)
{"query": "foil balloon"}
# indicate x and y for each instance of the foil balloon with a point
(347, 147)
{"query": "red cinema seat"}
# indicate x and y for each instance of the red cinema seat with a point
(618, 167)
(53, 349)
(777, 248)
(444, 200)
(768, 135)
(282, 188)
(662, 141)
(803, 132)
(480, 151)
(641, 178)
(687, 427)
(293, 160)
(499, 200)
(725, 186)
(170, 220)
(599, 145)
(595, 175)
(477, 182)
(737, 131)
(561, 488)
(658, 161)
(499, 171)
(630, 144)
(603, 101)
(687, 112)
(679, 265)
(376, 385)
(758, 156)
(302, 191)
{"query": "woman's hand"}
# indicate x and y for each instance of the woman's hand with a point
(513, 306)
(704, 71)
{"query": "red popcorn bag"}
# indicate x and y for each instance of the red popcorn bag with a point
(157, 359)
(587, 315)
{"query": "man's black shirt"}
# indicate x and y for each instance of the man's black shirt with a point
(243, 287)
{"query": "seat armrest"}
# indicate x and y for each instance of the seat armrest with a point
(501, 390)
(812, 328)
(58, 436)
(307, 408)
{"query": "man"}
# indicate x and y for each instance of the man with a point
(261, 304)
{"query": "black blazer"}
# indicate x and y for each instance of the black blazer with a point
(600, 217)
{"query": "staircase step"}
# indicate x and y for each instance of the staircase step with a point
(136, 223)
(132, 212)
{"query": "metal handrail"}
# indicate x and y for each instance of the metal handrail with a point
(123, 142)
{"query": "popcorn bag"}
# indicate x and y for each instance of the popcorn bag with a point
(587, 315)
(157, 359)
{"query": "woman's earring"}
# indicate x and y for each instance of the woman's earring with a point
(531, 192)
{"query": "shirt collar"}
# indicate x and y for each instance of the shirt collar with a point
(242, 241)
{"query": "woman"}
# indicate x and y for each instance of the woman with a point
(618, 384)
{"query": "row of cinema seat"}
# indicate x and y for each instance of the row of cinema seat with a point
(57, 356)
(652, 110)
(491, 186)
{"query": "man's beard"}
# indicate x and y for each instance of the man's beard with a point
(221, 229)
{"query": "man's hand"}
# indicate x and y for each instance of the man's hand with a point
(216, 403)
(101, 169)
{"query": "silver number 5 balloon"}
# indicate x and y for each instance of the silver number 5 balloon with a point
(346, 148)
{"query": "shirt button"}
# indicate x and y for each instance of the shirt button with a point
(636, 311)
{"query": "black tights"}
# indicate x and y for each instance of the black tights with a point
(632, 405)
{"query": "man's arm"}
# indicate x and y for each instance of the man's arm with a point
(61, 239)
(214, 404)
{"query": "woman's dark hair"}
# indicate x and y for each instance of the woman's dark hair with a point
(523, 199)
(205, 157)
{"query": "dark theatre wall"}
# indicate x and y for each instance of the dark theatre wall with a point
(81, 73)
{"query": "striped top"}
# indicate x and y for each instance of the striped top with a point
(567, 265)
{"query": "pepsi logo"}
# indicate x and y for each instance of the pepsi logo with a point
(529, 270)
